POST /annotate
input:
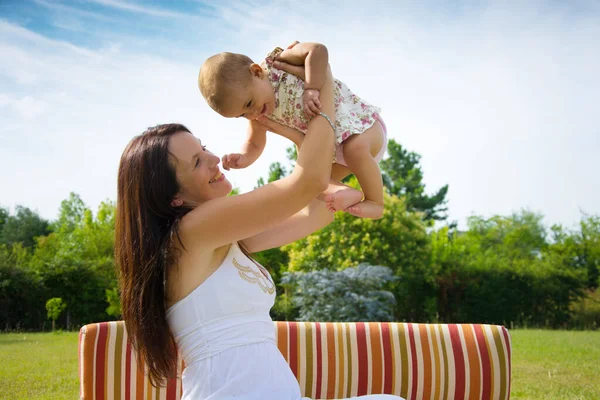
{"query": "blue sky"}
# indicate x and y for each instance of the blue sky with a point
(500, 98)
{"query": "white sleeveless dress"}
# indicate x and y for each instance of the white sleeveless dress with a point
(227, 338)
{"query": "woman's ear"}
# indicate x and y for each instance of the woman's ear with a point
(176, 202)
(256, 70)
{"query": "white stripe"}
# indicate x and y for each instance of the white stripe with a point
(81, 358)
(346, 366)
(420, 363)
(432, 357)
(313, 339)
(383, 355)
(111, 343)
(398, 359)
(466, 358)
(163, 393)
(354, 350)
(495, 360)
(480, 366)
(369, 358)
(451, 366)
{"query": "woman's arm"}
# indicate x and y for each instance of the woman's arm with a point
(225, 220)
(310, 219)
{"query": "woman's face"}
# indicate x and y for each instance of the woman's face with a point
(197, 170)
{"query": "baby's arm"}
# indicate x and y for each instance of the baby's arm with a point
(314, 57)
(251, 149)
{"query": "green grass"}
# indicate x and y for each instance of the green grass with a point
(547, 365)
(38, 366)
(555, 365)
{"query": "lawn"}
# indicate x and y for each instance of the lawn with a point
(546, 365)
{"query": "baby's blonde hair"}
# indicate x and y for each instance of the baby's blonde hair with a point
(219, 74)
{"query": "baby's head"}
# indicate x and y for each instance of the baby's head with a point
(234, 86)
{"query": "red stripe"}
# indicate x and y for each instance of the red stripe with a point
(387, 358)
(486, 367)
(128, 371)
(172, 389)
(413, 353)
(508, 350)
(459, 362)
(294, 348)
(363, 359)
(319, 359)
(101, 359)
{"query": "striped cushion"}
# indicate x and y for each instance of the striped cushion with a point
(333, 360)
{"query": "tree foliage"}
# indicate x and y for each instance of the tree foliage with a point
(353, 294)
(403, 177)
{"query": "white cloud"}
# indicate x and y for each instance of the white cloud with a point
(29, 107)
(498, 100)
(156, 12)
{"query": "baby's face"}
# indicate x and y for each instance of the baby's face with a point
(251, 101)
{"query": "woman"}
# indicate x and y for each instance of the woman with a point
(182, 247)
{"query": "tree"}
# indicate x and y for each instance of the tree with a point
(354, 294)
(276, 171)
(398, 240)
(71, 213)
(402, 177)
(23, 227)
(55, 307)
(3, 217)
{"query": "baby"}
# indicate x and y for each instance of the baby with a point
(234, 86)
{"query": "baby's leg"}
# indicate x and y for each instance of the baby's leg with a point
(359, 154)
(338, 194)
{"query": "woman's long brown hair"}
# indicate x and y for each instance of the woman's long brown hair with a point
(146, 225)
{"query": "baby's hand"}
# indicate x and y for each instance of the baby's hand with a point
(235, 161)
(312, 105)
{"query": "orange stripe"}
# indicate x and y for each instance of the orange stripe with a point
(139, 378)
(426, 352)
(376, 358)
(436, 362)
(282, 340)
(89, 340)
(331, 357)
(394, 355)
(474, 361)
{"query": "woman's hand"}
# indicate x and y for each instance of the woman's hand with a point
(297, 70)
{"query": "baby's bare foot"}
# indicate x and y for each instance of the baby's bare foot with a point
(343, 199)
(366, 209)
